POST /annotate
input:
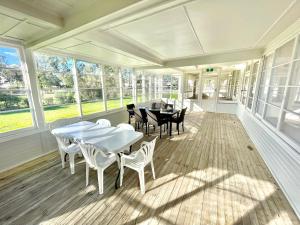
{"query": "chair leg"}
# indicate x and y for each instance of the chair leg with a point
(62, 157)
(100, 180)
(178, 128)
(153, 172)
(87, 173)
(72, 162)
(182, 126)
(121, 175)
(159, 131)
(142, 181)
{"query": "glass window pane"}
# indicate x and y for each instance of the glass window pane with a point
(262, 93)
(295, 76)
(284, 53)
(291, 126)
(249, 105)
(293, 99)
(90, 87)
(91, 101)
(14, 111)
(279, 75)
(275, 95)
(127, 86)
(59, 104)
(272, 114)
(88, 75)
(112, 86)
(268, 62)
(260, 107)
(57, 86)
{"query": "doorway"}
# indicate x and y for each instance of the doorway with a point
(209, 89)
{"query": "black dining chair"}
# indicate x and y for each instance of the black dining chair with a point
(155, 120)
(144, 118)
(130, 110)
(138, 118)
(179, 119)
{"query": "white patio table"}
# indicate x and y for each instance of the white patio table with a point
(110, 139)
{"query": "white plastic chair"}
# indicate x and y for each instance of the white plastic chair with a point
(103, 123)
(126, 126)
(96, 159)
(64, 147)
(138, 161)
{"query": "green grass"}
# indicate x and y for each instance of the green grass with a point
(22, 119)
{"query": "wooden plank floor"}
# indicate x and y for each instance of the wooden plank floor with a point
(210, 174)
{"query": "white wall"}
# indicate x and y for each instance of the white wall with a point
(195, 106)
(282, 160)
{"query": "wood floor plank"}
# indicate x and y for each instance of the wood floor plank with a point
(206, 175)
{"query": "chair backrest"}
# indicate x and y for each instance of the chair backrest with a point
(138, 116)
(182, 114)
(90, 154)
(156, 105)
(152, 118)
(144, 115)
(103, 123)
(125, 126)
(147, 150)
(169, 106)
(130, 106)
(63, 143)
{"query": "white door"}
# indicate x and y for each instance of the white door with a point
(209, 93)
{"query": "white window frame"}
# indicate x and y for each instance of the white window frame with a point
(7, 135)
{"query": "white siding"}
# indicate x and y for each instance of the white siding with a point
(282, 160)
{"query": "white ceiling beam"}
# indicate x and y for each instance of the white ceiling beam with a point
(20, 9)
(118, 44)
(106, 15)
(85, 20)
(239, 55)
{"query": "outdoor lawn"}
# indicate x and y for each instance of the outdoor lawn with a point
(22, 119)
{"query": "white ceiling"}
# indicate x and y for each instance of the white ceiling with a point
(146, 33)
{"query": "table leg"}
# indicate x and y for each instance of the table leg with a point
(170, 128)
(117, 182)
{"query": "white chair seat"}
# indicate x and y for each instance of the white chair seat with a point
(105, 162)
(73, 148)
(136, 162)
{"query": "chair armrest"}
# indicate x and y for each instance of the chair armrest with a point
(128, 156)
(144, 143)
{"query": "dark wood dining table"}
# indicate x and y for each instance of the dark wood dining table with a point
(167, 114)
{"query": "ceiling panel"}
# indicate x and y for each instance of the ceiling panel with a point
(168, 33)
(6, 23)
(67, 43)
(61, 8)
(233, 24)
(102, 54)
(26, 31)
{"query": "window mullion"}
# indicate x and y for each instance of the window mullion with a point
(257, 84)
(76, 86)
(103, 89)
(121, 87)
(249, 83)
(289, 75)
(267, 85)
(35, 99)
